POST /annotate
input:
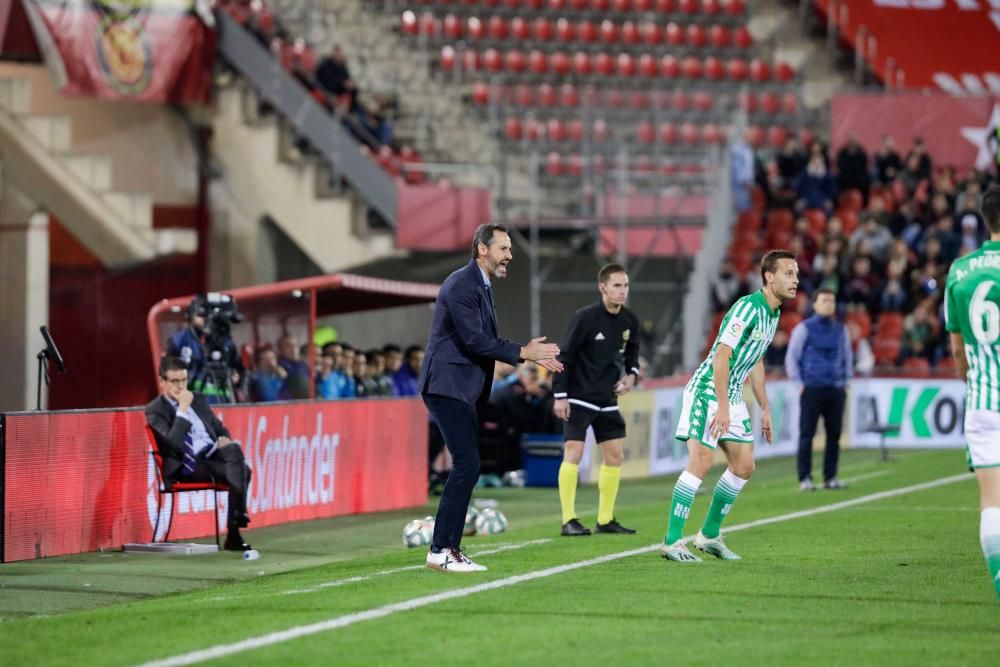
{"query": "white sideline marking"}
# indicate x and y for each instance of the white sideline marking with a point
(867, 475)
(224, 650)
(351, 580)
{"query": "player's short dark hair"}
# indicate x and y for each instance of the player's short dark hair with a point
(168, 364)
(821, 291)
(769, 263)
(607, 270)
(990, 208)
(484, 235)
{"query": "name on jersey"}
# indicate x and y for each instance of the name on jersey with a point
(985, 261)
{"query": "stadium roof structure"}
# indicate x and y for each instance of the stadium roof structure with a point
(312, 298)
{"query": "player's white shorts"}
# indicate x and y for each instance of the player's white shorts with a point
(697, 413)
(982, 432)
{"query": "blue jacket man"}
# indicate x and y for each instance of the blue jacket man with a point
(462, 347)
(819, 356)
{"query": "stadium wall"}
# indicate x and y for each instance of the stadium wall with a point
(81, 481)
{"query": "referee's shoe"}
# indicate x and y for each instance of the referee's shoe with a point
(613, 527)
(573, 527)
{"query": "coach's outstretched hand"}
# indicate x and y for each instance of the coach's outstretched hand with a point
(542, 353)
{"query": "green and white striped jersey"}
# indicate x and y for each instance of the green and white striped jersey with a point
(972, 308)
(748, 328)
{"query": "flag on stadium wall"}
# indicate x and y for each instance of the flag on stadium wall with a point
(155, 51)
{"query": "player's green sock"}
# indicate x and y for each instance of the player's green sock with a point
(680, 506)
(726, 490)
(989, 538)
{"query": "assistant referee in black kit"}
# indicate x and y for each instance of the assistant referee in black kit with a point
(600, 355)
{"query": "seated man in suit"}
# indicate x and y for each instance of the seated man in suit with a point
(196, 446)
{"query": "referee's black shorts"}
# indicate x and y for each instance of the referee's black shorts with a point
(608, 424)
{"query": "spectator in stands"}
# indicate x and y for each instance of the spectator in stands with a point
(864, 357)
(267, 382)
(376, 370)
(874, 236)
(918, 332)
(741, 173)
(727, 286)
(405, 379)
(911, 176)
(327, 384)
(904, 222)
(815, 187)
(863, 286)
(525, 405)
(810, 246)
(297, 381)
(776, 352)
(894, 296)
(196, 446)
(852, 168)
(887, 161)
(364, 383)
(333, 75)
(820, 358)
(924, 165)
(972, 234)
(393, 358)
(791, 162)
(503, 375)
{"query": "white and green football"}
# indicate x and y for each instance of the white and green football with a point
(418, 533)
(470, 521)
(491, 522)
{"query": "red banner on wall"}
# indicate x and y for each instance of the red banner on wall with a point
(946, 44)
(156, 51)
(82, 481)
(954, 128)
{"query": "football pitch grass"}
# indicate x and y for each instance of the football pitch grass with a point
(888, 572)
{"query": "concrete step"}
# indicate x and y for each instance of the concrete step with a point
(15, 95)
(135, 208)
(54, 132)
(94, 170)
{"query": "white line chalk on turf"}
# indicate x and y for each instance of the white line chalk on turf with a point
(270, 639)
(867, 475)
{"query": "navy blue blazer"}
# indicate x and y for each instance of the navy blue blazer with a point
(463, 342)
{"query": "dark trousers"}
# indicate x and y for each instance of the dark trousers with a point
(226, 465)
(816, 402)
(460, 427)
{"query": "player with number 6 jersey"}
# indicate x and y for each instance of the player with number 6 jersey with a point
(972, 317)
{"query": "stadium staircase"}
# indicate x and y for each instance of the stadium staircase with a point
(117, 227)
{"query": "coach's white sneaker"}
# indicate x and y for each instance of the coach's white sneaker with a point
(715, 546)
(679, 553)
(452, 560)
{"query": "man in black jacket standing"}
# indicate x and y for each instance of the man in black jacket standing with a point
(196, 446)
(600, 352)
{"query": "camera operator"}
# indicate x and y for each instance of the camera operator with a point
(215, 367)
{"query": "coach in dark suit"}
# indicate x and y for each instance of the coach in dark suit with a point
(196, 446)
(456, 377)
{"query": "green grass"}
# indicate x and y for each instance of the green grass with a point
(896, 581)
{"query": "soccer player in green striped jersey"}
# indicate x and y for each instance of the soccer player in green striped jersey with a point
(972, 316)
(714, 414)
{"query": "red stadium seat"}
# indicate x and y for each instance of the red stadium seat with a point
(674, 34)
(519, 28)
(862, 319)
(691, 67)
(429, 25)
(609, 32)
(586, 32)
(541, 29)
(759, 70)
(710, 7)
(579, 5)
(513, 129)
(638, 100)
(651, 33)
(630, 33)
(524, 96)
(737, 69)
(497, 28)
(474, 28)
(886, 351)
(669, 67)
(514, 4)
(600, 133)
(647, 66)
(890, 325)
(789, 103)
(688, 6)
(515, 61)
(702, 101)
(690, 134)
(581, 63)
(714, 69)
(470, 60)
(734, 7)
(849, 220)
(537, 62)
(559, 62)
(409, 23)
(621, 6)
(615, 99)
(784, 72)
(575, 130)
(555, 130)
(546, 95)
(565, 32)
(601, 6)
(452, 26)
(604, 64)
(626, 65)
(789, 320)
(492, 60)
(665, 6)
(769, 102)
(643, 6)
(553, 164)
(696, 35)
(558, 5)
(668, 133)
(568, 97)
(851, 200)
(742, 37)
(534, 130)
(480, 93)
(718, 36)
(816, 218)
(680, 100)
(448, 57)
(645, 132)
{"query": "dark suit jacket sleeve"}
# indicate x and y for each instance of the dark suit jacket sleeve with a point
(465, 313)
(169, 429)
